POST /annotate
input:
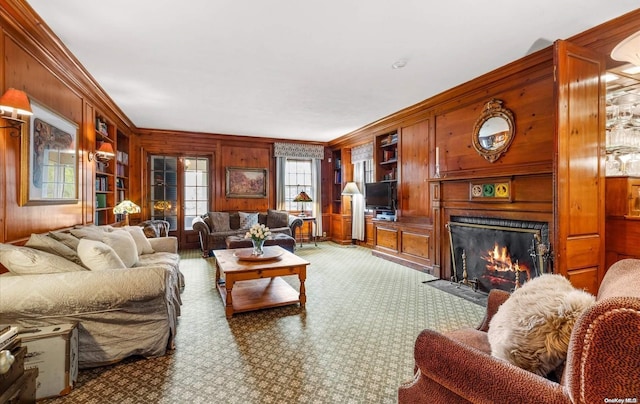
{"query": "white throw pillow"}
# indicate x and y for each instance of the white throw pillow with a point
(124, 245)
(98, 256)
(28, 261)
(142, 243)
(247, 220)
(531, 329)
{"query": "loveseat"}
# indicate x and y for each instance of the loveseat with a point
(214, 227)
(122, 290)
(602, 361)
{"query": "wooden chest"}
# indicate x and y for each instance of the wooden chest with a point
(54, 351)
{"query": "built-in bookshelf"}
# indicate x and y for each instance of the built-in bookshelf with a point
(336, 191)
(387, 157)
(104, 173)
(111, 173)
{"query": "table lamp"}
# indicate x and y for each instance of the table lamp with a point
(125, 208)
(302, 197)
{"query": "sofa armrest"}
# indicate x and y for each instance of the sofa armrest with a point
(603, 356)
(454, 366)
(200, 225)
(165, 244)
(294, 223)
(496, 298)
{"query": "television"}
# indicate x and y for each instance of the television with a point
(379, 195)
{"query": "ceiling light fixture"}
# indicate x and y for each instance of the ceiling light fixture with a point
(628, 50)
(399, 64)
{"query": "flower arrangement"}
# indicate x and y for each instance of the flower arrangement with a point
(258, 233)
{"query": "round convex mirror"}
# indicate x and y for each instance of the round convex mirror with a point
(493, 131)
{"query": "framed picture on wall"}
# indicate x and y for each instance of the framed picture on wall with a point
(49, 159)
(246, 182)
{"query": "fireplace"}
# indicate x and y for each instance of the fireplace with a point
(489, 253)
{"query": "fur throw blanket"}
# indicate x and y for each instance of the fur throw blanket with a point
(532, 328)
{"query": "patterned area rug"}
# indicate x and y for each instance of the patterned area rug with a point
(352, 344)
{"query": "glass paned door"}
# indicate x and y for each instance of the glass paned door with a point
(164, 189)
(196, 188)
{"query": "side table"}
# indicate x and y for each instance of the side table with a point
(312, 221)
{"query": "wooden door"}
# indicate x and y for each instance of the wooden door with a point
(579, 165)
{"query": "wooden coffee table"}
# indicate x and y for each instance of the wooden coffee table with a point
(252, 285)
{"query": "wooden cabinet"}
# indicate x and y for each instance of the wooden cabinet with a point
(406, 243)
(622, 226)
(413, 188)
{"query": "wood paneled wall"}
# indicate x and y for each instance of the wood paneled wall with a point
(223, 151)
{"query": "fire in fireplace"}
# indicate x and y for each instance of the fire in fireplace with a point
(489, 253)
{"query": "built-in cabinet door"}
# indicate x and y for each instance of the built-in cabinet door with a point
(413, 189)
(579, 181)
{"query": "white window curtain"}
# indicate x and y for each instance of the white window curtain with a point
(281, 172)
(359, 155)
(315, 152)
(316, 205)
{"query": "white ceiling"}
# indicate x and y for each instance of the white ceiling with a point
(296, 69)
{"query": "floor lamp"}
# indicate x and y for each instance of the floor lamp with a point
(351, 189)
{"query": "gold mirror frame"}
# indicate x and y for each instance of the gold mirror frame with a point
(493, 131)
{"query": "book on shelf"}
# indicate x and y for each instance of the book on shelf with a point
(101, 201)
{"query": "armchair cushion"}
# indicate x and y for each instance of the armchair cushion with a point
(532, 328)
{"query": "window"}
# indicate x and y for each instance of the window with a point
(196, 188)
(297, 178)
(368, 170)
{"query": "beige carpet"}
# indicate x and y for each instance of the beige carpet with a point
(353, 344)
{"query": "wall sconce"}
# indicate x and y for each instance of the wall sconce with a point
(14, 102)
(104, 153)
(125, 208)
(628, 50)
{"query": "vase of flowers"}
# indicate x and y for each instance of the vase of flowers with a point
(258, 233)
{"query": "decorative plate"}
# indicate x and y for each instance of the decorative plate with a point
(269, 254)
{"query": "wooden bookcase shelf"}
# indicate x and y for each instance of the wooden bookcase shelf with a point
(111, 176)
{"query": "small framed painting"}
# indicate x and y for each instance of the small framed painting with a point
(246, 182)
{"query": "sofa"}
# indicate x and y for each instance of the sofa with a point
(123, 291)
(214, 227)
(602, 357)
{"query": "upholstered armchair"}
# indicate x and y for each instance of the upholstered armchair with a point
(603, 358)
